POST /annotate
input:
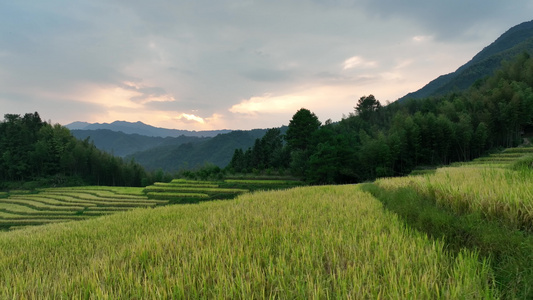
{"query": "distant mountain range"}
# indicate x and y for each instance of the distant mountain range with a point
(514, 41)
(170, 153)
(142, 129)
(171, 149)
(123, 144)
(217, 150)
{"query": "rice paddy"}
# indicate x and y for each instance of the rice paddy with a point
(193, 191)
(487, 186)
(52, 205)
(501, 159)
(20, 208)
(322, 242)
(485, 206)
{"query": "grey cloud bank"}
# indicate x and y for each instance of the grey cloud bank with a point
(231, 64)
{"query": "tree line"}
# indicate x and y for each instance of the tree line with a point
(375, 141)
(34, 150)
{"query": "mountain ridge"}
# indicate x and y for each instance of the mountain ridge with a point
(143, 129)
(514, 41)
(171, 153)
(217, 150)
(123, 144)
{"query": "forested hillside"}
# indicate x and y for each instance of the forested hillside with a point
(35, 151)
(217, 150)
(171, 154)
(376, 141)
(516, 40)
(122, 144)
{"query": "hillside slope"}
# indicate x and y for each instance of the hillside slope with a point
(171, 153)
(123, 144)
(516, 40)
(217, 150)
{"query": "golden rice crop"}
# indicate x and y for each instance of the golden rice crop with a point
(186, 181)
(185, 184)
(61, 198)
(497, 193)
(304, 243)
(48, 200)
(42, 206)
(69, 204)
(115, 189)
(169, 195)
(524, 150)
(26, 210)
(99, 198)
(263, 181)
(179, 189)
(32, 221)
(94, 193)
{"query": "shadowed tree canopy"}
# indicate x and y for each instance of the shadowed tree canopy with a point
(33, 150)
(303, 125)
(367, 106)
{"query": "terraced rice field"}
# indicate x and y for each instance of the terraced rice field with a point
(20, 208)
(486, 185)
(326, 242)
(192, 191)
(52, 205)
(502, 159)
(485, 205)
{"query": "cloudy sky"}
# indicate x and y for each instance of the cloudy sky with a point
(232, 64)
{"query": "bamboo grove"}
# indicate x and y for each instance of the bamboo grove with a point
(377, 141)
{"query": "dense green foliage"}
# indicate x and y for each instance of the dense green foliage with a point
(33, 150)
(376, 141)
(267, 152)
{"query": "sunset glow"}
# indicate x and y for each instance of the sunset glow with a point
(210, 65)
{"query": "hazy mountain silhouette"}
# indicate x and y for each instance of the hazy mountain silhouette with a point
(142, 129)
